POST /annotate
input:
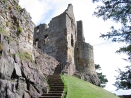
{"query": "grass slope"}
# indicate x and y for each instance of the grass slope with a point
(77, 88)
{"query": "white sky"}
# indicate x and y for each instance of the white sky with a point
(42, 11)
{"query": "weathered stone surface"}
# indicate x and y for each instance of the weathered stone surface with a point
(17, 58)
(26, 95)
(3, 88)
(6, 69)
(33, 92)
(17, 69)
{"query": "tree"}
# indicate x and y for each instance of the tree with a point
(103, 79)
(123, 79)
(120, 12)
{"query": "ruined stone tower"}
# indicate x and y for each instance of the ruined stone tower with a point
(63, 39)
(58, 40)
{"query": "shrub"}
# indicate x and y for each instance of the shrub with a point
(18, 7)
(20, 30)
(7, 24)
(15, 27)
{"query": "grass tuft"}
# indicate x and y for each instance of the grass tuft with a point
(20, 30)
(25, 56)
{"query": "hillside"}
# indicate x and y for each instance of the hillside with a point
(77, 88)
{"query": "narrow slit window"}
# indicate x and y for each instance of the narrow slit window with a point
(72, 24)
(77, 49)
(72, 41)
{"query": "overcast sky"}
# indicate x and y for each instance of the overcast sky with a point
(42, 11)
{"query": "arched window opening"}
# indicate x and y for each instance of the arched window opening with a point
(72, 24)
(36, 43)
(37, 29)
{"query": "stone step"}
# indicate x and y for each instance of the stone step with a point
(54, 76)
(56, 86)
(55, 82)
(50, 97)
(53, 94)
(55, 91)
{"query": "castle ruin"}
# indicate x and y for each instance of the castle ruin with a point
(63, 39)
(24, 69)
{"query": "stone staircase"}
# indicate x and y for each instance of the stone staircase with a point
(56, 85)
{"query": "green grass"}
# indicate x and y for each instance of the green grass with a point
(77, 88)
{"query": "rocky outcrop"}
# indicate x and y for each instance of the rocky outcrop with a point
(23, 68)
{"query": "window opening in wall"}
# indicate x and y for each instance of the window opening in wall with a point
(46, 39)
(36, 43)
(72, 41)
(72, 24)
(37, 30)
(77, 49)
